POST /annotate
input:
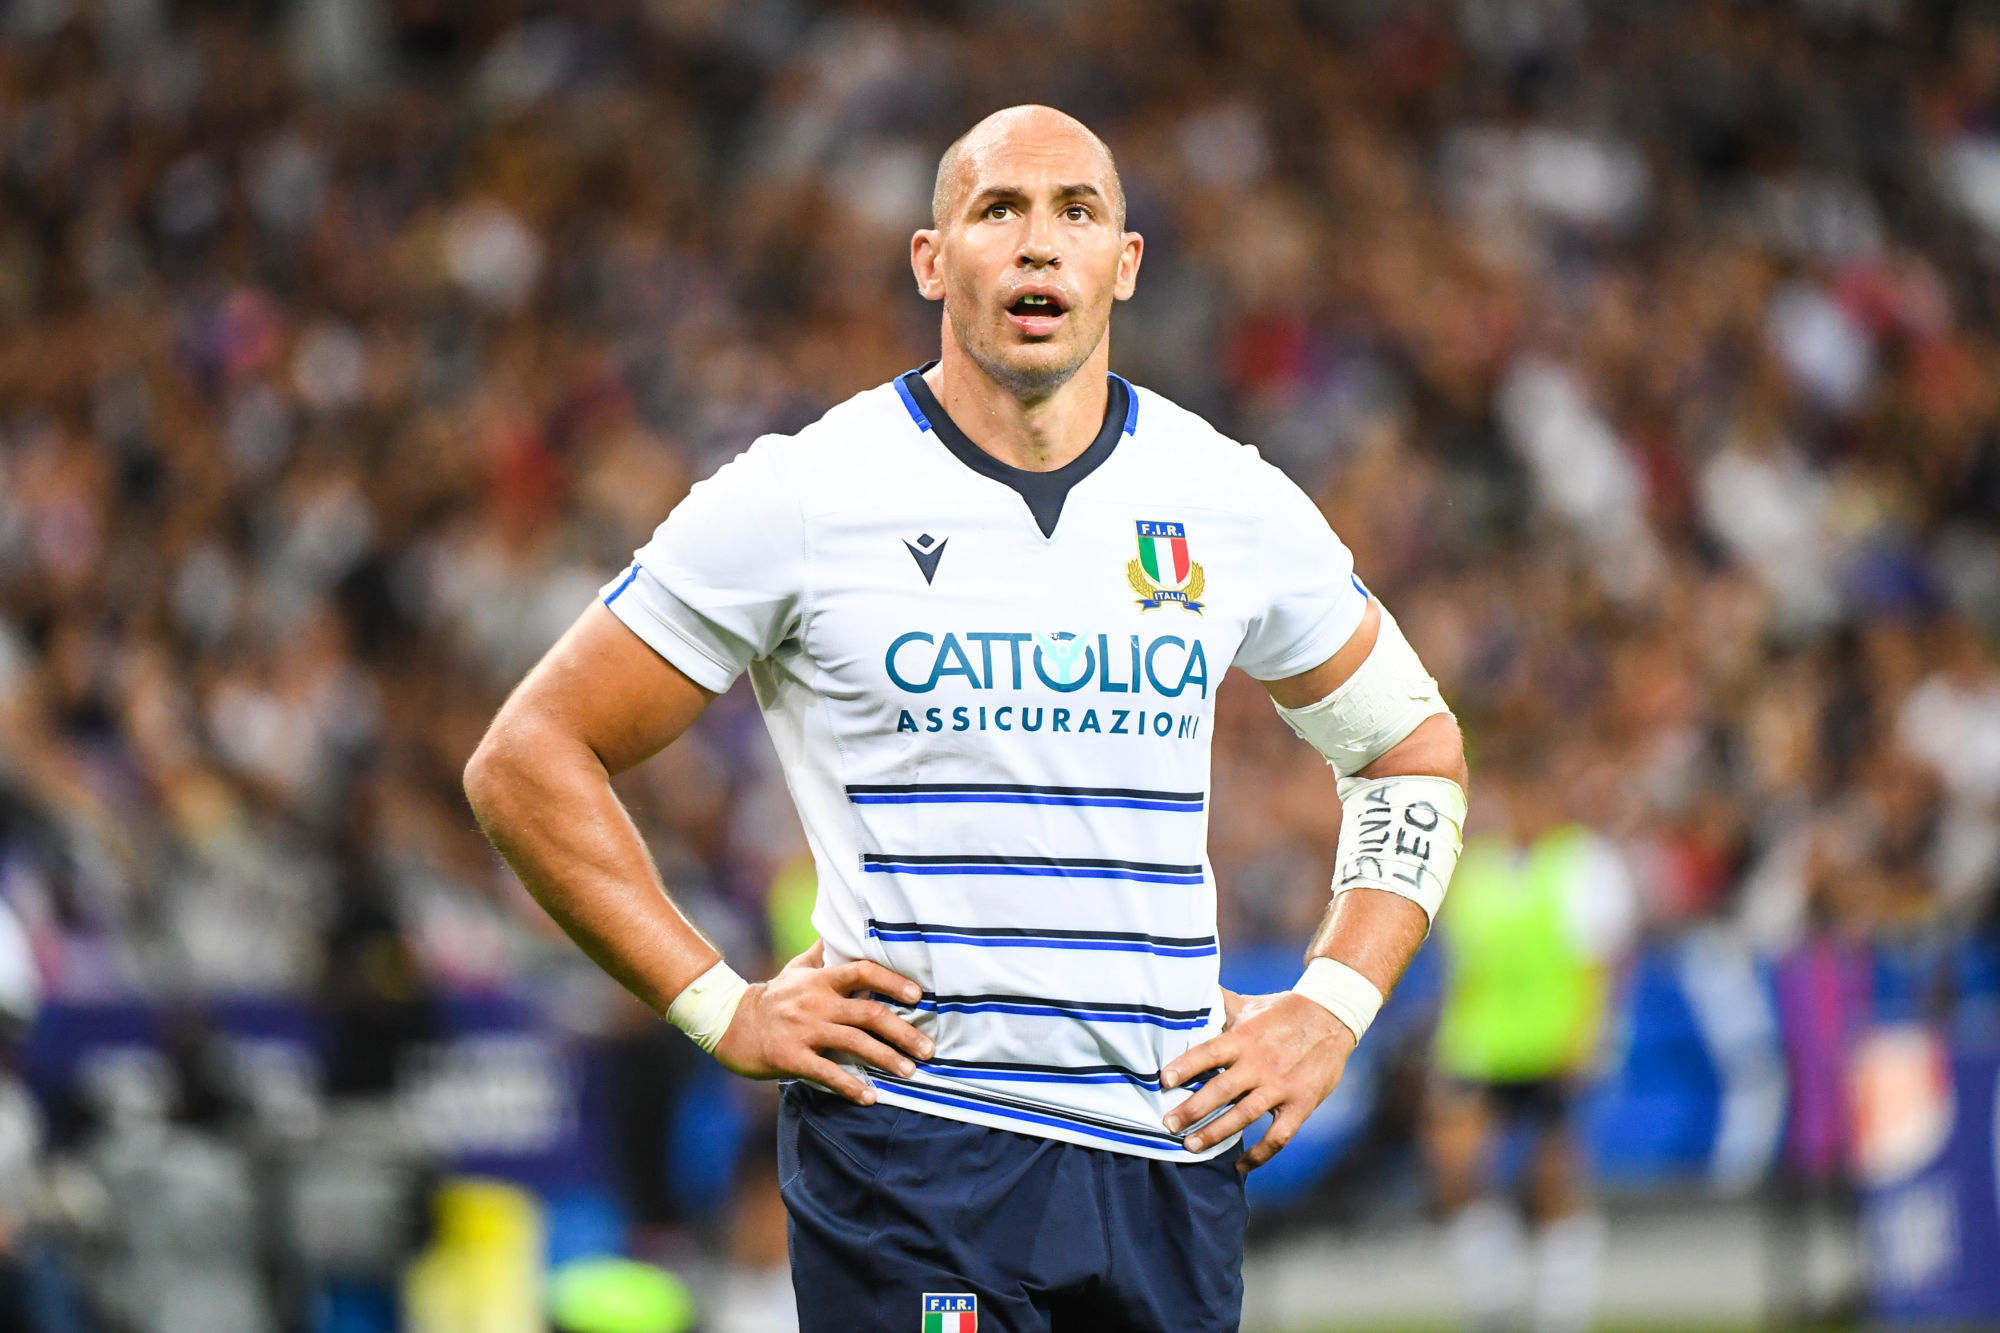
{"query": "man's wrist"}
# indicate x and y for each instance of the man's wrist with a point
(707, 1005)
(1343, 992)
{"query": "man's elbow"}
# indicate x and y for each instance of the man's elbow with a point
(1435, 748)
(1449, 749)
(1453, 743)
(490, 774)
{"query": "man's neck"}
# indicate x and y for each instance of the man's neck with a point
(1037, 436)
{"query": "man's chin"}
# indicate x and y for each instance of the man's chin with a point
(1031, 369)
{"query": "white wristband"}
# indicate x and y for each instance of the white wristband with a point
(1342, 992)
(705, 1008)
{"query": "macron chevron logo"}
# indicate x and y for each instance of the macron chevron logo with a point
(926, 551)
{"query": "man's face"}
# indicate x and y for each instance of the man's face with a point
(1029, 256)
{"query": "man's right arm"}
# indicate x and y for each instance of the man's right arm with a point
(598, 703)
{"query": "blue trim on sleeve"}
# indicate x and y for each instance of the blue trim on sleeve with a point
(1359, 586)
(625, 583)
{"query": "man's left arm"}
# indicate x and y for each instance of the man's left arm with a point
(1284, 1053)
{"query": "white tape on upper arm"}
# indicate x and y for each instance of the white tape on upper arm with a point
(1385, 700)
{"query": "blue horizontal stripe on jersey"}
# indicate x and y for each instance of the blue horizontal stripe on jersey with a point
(1023, 937)
(1014, 793)
(1076, 867)
(1086, 1011)
(1003, 1071)
(1008, 1108)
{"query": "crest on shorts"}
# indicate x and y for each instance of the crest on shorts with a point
(950, 1312)
(1164, 572)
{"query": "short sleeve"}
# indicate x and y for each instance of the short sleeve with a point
(1312, 599)
(721, 582)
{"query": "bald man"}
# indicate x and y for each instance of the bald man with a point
(984, 608)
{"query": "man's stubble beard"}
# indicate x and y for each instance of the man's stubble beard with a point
(1028, 384)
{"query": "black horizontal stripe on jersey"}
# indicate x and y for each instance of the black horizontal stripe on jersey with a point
(1094, 1006)
(1033, 1006)
(1058, 867)
(1031, 936)
(1022, 793)
(1018, 1071)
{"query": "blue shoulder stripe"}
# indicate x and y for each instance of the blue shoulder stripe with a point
(910, 402)
(1131, 405)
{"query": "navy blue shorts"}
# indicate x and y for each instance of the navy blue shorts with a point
(890, 1206)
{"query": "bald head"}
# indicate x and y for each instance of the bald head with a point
(1041, 127)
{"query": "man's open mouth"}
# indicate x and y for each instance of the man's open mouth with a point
(1037, 305)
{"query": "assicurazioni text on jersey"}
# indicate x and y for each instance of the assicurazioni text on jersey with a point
(992, 693)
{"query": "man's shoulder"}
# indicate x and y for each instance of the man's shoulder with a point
(867, 419)
(839, 445)
(1183, 440)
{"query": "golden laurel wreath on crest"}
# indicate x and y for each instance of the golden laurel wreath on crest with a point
(1151, 595)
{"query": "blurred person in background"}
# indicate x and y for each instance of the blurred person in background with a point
(26, 1302)
(1540, 913)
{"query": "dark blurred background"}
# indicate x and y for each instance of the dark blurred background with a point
(1647, 355)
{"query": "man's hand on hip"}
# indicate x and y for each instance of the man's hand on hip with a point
(1281, 1053)
(783, 1026)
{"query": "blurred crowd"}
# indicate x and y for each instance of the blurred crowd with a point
(1646, 354)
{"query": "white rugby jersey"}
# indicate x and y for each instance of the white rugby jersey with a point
(991, 691)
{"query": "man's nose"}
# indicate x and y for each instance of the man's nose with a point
(1038, 247)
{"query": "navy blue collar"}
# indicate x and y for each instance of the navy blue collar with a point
(1043, 491)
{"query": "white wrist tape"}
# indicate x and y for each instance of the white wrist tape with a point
(1342, 992)
(1402, 834)
(705, 1008)
(1377, 706)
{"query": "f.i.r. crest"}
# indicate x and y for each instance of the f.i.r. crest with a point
(1164, 572)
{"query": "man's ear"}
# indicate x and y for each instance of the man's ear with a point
(926, 249)
(1128, 266)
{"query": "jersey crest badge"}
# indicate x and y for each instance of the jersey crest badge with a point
(951, 1312)
(1164, 572)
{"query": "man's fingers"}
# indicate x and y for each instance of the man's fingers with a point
(881, 1020)
(831, 1076)
(840, 1037)
(1215, 1053)
(1239, 1117)
(1215, 1094)
(1281, 1131)
(864, 975)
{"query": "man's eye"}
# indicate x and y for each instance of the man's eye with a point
(997, 211)
(1077, 213)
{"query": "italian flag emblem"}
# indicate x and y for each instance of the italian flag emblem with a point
(1163, 554)
(1164, 571)
(950, 1312)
